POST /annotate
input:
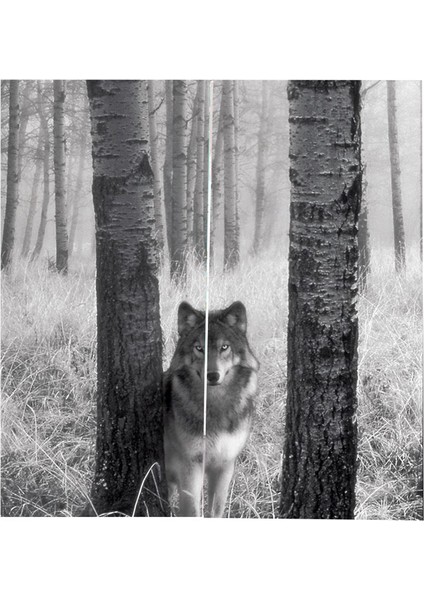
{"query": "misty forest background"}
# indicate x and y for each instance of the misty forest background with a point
(49, 320)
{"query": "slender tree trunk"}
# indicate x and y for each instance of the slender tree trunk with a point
(77, 192)
(23, 123)
(191, 167)
(70, 192)
(421, 170)
(231, 248)
(205, 171)
(179, 179)
(46, 175)
(364, 246)
(398, 228)
(217, 165)
(198, 204)
(155, 166)
(129, 476)
(167, 165)
(12, 176)
(260, 171)
(34, 194)
(319, 465)
(236, 100)
(59, 177)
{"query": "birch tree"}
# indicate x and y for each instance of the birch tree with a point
(217, 166)
(398, 227)
(46, 173)
(319, 464)
(167, 165)
(59, 177)
(12, 176)
(129, 449)
(179, 178)
(157, 192)
(198, 203)
(191, 167)
(260, 170)
(231, 240)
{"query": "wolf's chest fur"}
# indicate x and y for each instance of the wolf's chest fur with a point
(228, 415)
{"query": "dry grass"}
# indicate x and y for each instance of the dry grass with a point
(48, 405)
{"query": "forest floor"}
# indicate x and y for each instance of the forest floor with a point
(49, 380)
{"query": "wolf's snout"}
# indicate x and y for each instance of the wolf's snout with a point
(213, 377)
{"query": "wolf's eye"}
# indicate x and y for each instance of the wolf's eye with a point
(198, 348)
(224, 347)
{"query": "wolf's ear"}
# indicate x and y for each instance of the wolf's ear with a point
(188, 317)
(235, 316)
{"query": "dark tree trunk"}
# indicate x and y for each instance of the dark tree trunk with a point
(217, 165)
(231, 240)
(319, 465)
(179, 179)
(59, 177)
(236, 101)
(398, 228)
(12, 176)
(191, 168)
(421, 170)
(155, 167)
(34, 194)
(46, 176)
(167, 165)
(129, 475)
(364, 246)
(205, 171)
(260, 171)
(198, 202)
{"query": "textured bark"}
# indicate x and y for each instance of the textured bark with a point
(206, 170)
(231, 240)
(198, 203)
(364, 246)
(12, 176)
(34, 195)
(398, 227)
(46, 175)
(179, 178)
(217, 165)
(129, 449)
(76, 203)
(236, 101)
(59, 177)
(421, 170)
(260, 171)
(167, 165)
(319, 465)
(191, 167)
(159, 218)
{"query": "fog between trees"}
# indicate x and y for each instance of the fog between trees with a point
(274, 131)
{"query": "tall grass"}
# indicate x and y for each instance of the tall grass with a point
(49, 373)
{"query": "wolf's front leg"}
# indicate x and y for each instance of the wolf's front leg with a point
(218, 483)
(190, 490)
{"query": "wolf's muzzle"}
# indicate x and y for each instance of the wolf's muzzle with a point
(213, 377)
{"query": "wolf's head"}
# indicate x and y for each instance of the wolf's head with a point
(227, 342)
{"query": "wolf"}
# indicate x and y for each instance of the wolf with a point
(231, 387)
